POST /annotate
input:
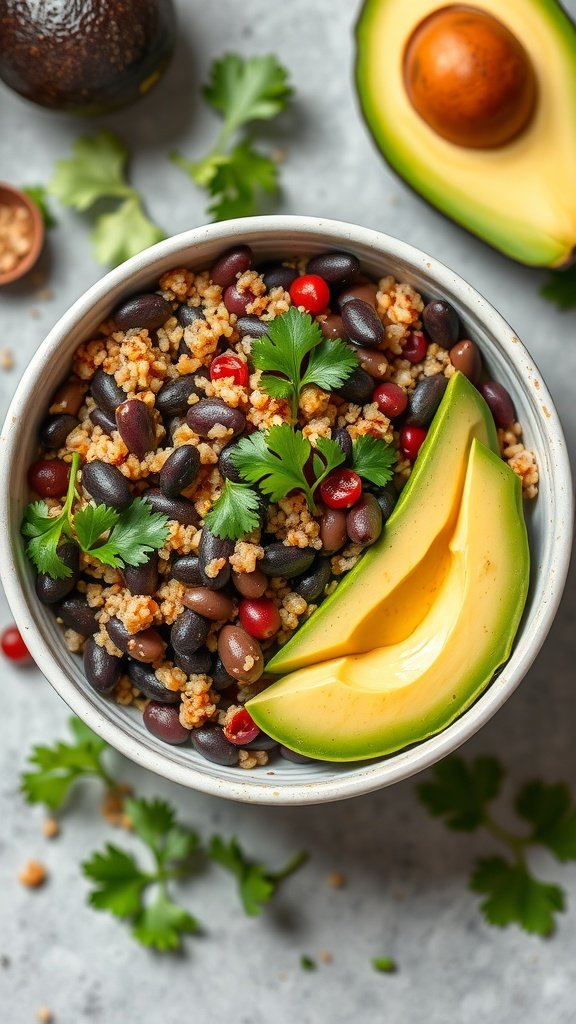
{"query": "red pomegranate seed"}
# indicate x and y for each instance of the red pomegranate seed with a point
(411, 440)
(390, 399)
(341, 488)
(229, 365)
(415, 348)
(241, 728)
(260, 617)
(310, 291)
(13, 645)
(49, 477)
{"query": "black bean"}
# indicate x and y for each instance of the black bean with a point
(148, 683)
(189, 632)
(236, 301)
(179, 470)
(251, 326)
(211, 742)
(365, 289)
(343, 440)
(162, 721)
(55, 430)
(387, 498)
(172, 399)
(333, 529)
(50, 591)
(146, 646)
(261, 742)
(312, 584)
(180, 509)
(358, 388)
(147, 310)
(106, 392)
(250, 584)
(440, 322)
(142, 579)
(192, 664)
(212, 604)
(187, 315)
(332, 326)
(231, 263)
(241, 654)
(221, 679)
(280, 560)
(210, 549)
(425, 399)
(106, 484)
(465, 356)
(275, 275)
(202, 416)
(337, 268)
(69, 397)
(186, 569)
(103, 420)
(136, 427)
(362, 324)
(292, 755)
(499, 402)
(77, 614)
(102, 670)
(226, 465)
(364, 520)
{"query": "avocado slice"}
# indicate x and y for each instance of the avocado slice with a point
(393, 585)
(519, 196)
(373, 704)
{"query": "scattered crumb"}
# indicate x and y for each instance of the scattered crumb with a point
(385, 965)
(33, 874)
(112, 806)
(44, 1015)
(6, 359)
(44, 294)
(50, 828)
(325, 956)
(336, 879)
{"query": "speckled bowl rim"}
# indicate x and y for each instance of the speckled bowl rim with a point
(554, 547)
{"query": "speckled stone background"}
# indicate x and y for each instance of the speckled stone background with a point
(406, 894)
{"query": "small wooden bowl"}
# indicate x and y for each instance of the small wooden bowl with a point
(10, 196)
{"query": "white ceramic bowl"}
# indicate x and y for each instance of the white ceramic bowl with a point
(549, 517)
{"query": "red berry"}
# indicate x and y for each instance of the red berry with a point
(341, 488)
(49, 477)
(310, 291)
(229, 365)
(241, 728)
(260, 617)
(415, 348)
(13, 645)
(411, 439)
(390, 399)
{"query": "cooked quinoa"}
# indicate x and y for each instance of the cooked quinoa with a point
(167, 342)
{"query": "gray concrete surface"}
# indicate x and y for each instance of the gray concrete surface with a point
(406, 893)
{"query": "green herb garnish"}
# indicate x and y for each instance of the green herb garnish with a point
(242, 90)
(58, 767)
(460, 793)
(131, 535)
(373, 459)
(257, 884)
(235, 513)
(121, 883)
(97, 171)
(37, 193)
(560, 288)
(295, 348)
(384, 964)
(307, 963)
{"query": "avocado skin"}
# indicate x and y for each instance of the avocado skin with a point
(85, 58)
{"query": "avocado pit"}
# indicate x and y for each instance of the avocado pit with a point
(469, 78)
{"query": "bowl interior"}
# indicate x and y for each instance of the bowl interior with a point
(549, 517)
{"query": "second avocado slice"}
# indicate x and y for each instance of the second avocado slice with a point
(395, 583)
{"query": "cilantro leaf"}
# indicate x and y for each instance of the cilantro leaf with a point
(37, 193)
(235, 513)
(384, 964)
(92, 521)
(329, 365)
(560, 288)
(137, 532)
(94, 171)
(307, 963)
(373, 459)
(550, 811)
(162, 923)
(274, 460)
(257, 884)
(332, 456)
(126, 231)
(234, 173)
(120, 881)
(46, 532)
(57, 768)
(460, 792)
(514, 896)
(155, 822)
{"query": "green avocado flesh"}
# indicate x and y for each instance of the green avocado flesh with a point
(368, 705)
(518, 197)
(393, 586)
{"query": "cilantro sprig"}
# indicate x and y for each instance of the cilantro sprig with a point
(461, 793)
(242, 90)
(57, 768)
(294, 353)
(122, 884)
(114, 538)
(560, 288)
(256, 883)
(373, 459)
(96, 171)
(37, 193)
(235, 513)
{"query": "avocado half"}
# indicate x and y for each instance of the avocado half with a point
(519, 197)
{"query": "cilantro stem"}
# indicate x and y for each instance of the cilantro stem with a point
(67, 510)
(293, 864)
(517, 844)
